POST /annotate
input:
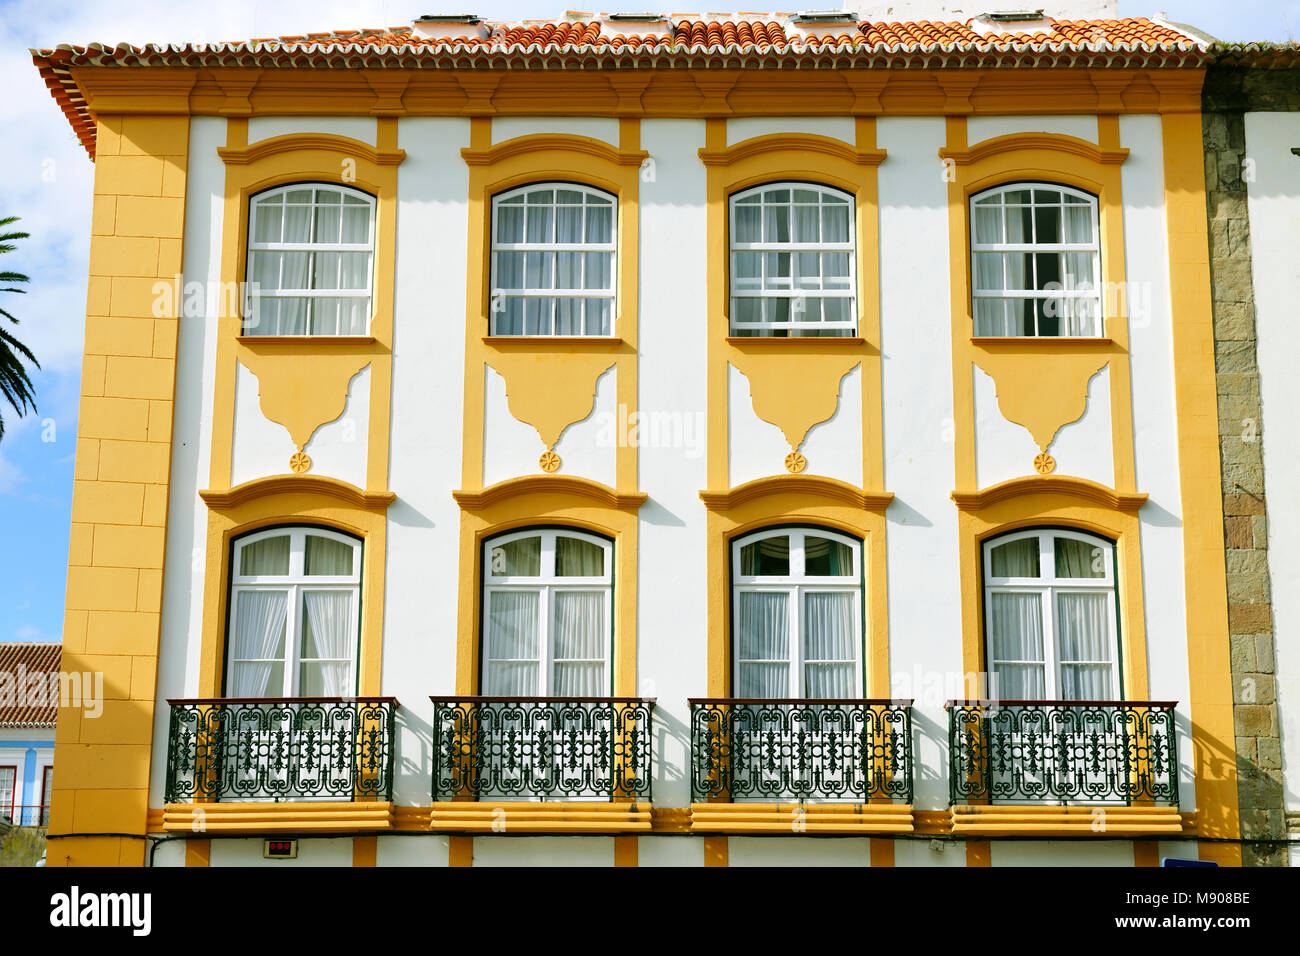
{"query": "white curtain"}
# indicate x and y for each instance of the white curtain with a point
(260, 619)
(579, 644)
(575, 557)
(327, 556)
(265, 556)
(830, 640)
(763, 630)
(512, 646)
(1016, 634)
(327, 634)
(521, 558)
(1015, 559)
(1078, 559)
(1083, 630)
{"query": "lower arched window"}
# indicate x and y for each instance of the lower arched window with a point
(547, 614)
(294, 614)
(1050, 616)
(796, 614)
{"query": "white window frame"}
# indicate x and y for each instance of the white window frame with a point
(1061, 295)
(251, 297)
(7, 808)
(498, 295)
(795, 585)
(546, 584)
(1049, 586)
(793, 292)
(296, 583)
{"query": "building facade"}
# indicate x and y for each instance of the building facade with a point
(656, 442)
(29, 704)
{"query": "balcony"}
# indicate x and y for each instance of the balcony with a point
(538, 765)
(306, 756)
(31, 815)
(833, 766)
(1067, 767)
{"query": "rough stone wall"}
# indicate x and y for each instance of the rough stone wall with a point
(1229, 93)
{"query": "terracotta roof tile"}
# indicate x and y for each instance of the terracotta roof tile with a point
(17, 663)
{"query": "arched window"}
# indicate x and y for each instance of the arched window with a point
(546, 614)
(1036, 261)
(1050, 616)
(796, 614)
(311, 250)
(792, 261)
(553, 260)
(294, 614)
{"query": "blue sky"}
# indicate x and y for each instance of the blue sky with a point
(47, 181)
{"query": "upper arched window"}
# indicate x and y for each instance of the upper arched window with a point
(1050, 616)
(311, 249)
(796, 614)
(793, 261)
(547, 613)
(553, 261)
(1036, 261)
(294, 614)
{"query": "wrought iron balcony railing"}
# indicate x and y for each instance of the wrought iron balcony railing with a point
(26, 815)
(321, 748)
(807, 750)
(1106, 751)
(594, 748)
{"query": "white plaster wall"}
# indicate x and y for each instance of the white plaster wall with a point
(1274, 202)
(758, 448)
(187, 517)
(317, 852)
(919, 853)
(363, 128)
(1155, 426)
(980, 128)
(543, 851)
(1006, 450)
(836, 127)
(672, 636)
(670, 851)
(171, 853)
(422, 850)
(587, 448)
(509, 127)
(798, 851)
(422, 570)
(1061, 853)
(262, 447)
(924, 580)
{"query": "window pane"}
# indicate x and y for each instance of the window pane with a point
(510, 679)
(763, 680)
(1079, 559)
(835, 222)
(265, 556)
(831, 631)
(325, 679)
(829, 680)
(1018, 682)
(519, 558)
(769, 557)
(258, 635)
(1016, 627)
(513, 625)
(327, 632)
(575, 557)
(748, 224)
(600, 224)
(1015, 559)
(510, 224)
(1086, 682)
(1083, 625)
(988, 224)
(826, 556)
(327, 556)
(762, 625)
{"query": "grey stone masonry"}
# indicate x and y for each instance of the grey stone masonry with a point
(1229, 92)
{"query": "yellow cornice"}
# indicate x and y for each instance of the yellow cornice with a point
(522, 145)
(296, 142)
(549, 485)
(297, 484)
(805, 142)
(811, 486)
(1065, 485)
(1019, 142)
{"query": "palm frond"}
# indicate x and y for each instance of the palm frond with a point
(15, 383)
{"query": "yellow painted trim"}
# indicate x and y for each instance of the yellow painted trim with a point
(715, 851)
(1209, 672)
(680, 92)
(670, 819)
(771, 366)
(509, 817)
(882, 851)
(460, 851)
(537, 370)
(795, 819)
(1042, 384)
(303, 382)
(289, 499)
(198, 852)
(277, 817)
(365, 851)
(1082, 489)
(625, 851)
(1057, 821)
